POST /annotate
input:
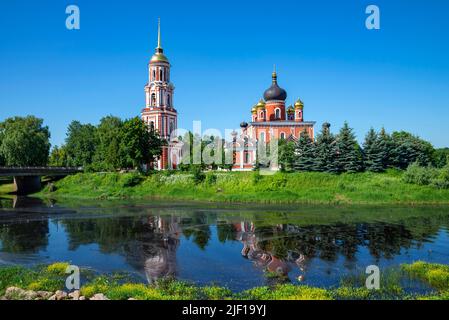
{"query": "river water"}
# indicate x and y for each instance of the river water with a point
(235, 246)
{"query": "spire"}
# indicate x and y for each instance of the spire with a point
(274, 74)
(159, 33)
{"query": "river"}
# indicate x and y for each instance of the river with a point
(238, 246)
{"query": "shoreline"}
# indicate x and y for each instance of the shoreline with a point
(47, 283)
(246, 188)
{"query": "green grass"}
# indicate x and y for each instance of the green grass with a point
(52, 278)
(436, 275)
(250, 187)
(42, 278)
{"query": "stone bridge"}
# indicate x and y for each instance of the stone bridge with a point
(28, 179)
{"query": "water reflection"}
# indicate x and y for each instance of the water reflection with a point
(237, 248)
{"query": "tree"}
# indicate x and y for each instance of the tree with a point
(108, 155)
(385, 144)
(326, 150)
(81, 144)
(25, 141)
(58, 157)
(373, 157)
(408, 148)
(305, 153)
(349, 154)
(139, 143)
(441, 157)
(287, 156)
(2, 160)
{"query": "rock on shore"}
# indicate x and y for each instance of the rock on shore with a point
(15, 293)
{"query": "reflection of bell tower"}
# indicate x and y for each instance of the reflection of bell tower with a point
(159, 111)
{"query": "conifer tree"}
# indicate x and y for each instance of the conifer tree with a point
(373, 155)
(349, 154)
(326, 150)
(305, 153)
(385, 148)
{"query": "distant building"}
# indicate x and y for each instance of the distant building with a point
(270, 119)
(159, 111)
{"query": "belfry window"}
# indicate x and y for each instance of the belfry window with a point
(168, 100)
(160, 75)
(153, 99)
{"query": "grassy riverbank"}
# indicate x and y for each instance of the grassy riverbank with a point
(362, 188)
(52, 278)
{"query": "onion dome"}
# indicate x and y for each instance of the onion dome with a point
(261, 104)
(159, 52)
(299, 104)
(254, 109)
(275, 92)
(290, 110)
(244, 125)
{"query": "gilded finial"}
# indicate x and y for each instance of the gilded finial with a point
(274, 75)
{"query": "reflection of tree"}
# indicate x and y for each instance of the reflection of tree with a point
(23, 236)
(225, 231)
(197, 227)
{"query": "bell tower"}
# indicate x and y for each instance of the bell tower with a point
(159, 111)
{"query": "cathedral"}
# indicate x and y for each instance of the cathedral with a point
(270, 119)
(159, 112)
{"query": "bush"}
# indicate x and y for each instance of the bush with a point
(198, 174)
(211, 178)
(423, 176)
(131, 180)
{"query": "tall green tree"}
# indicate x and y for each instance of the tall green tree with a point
(373, 156)
(108, 155)
(2, 159)
(408, 149)
(349, 153)
(287, 155)
(81, 144)
(305, 153)
(25, 141)
(139, 143)
(385, 145)
(58, 157)
(441, 157)
(326, 151)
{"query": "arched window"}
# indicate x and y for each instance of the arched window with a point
(154, 74)
(282, 135)
(247, 157)
(152, 125)
(160, 75)
(261, 115)
(172, 127)
(153, 99)
(168, 101)
(277, 113)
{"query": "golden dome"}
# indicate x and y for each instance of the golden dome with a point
(254, 109)
(290, 110)
(261, 104)
(159, 57)
(299, 104)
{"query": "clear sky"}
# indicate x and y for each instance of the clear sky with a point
(222, 55)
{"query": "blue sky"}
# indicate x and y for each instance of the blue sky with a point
(222, 55)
